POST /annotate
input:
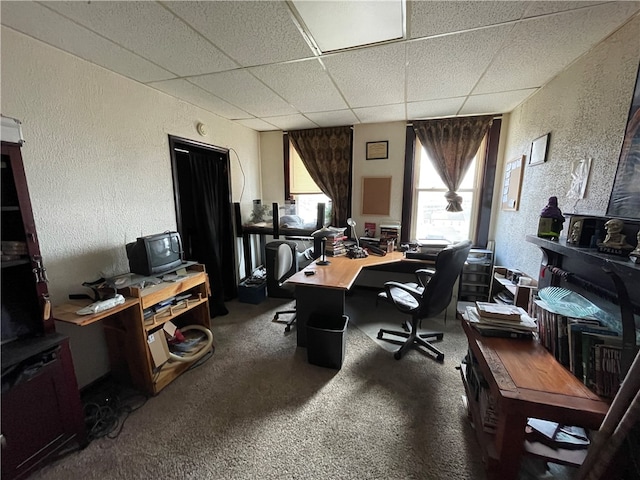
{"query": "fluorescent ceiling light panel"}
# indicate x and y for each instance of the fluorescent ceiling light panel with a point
(336, 25)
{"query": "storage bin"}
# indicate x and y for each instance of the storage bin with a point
(252, 292)
(326, 340)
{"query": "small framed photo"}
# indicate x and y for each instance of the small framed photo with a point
(377, 150)
(539, 149)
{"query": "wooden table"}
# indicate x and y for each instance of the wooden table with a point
(527, 381)
(324, 292)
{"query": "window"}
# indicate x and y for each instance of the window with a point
(303, 190)
(430, 219)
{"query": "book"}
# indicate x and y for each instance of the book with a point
(369, 229)
(607, 369)
(500, 311)
(589, 342)
(575, 329)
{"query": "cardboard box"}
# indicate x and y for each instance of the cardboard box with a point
(158, 347)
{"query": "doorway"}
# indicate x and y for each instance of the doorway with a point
(202, 192)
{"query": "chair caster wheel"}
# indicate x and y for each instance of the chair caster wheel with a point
(397, 355)
(440, 358)
(379, 335)
(275, 317)
(439, 337)
(287, 328)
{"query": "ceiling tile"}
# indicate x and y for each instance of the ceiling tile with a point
(295, 80)
(538, 7)
(331, 119)
(450, 66)
(151, 31)
(291, 122)
(370, 76)
(242, 89)
(257, 124)
(252, 33)
(195, 95)
(534, 43)
(447, 107)
(501, 102)
(433, 18)
(386, 113)
(40, 22)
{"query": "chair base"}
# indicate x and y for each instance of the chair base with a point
(414, 340)
(289, 322)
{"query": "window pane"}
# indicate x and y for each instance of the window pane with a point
(429, 177)
(307, 207)
(434, 222)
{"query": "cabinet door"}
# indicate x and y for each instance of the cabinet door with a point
(27, 302)
(32, 420)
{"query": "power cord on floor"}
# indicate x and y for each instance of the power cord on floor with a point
(107, 418)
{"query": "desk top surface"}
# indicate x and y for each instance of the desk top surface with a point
(524, 371)
(343, 271)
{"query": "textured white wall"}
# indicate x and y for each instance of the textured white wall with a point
(585, 109)
(392, 167)
(98, 167)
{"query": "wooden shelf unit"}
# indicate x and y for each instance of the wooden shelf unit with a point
(503, 286)
(127, 332)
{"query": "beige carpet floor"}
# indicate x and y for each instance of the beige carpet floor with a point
(258, 410)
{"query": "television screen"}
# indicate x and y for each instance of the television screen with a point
(155, 254)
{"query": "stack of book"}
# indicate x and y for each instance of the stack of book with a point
(496, 320)
(335, 246)
(389, 234)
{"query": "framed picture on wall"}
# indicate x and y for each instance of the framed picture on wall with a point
(539, 149)
(625, 194)
(378, 150)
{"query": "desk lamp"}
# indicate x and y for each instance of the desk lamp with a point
(322, 235)
(356, 252)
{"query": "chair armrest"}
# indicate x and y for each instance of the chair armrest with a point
(399, 304)
(424, 275)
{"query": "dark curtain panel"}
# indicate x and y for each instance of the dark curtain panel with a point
(452, 143)
(207, 226)
(326, 152)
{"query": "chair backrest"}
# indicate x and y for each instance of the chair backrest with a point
(438, 292)
(284, 261)
(281, 262)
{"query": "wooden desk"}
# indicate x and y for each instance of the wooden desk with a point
(325, 291)
(527, 381)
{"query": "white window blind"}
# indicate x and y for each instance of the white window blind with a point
(300, 182)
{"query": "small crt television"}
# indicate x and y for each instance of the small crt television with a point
(155, 254)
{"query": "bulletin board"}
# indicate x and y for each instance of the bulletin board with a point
(376, 195)
(512, 183)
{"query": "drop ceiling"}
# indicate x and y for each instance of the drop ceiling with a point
(257, 64)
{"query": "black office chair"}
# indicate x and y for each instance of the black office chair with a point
(426, 299)
(281, 263)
